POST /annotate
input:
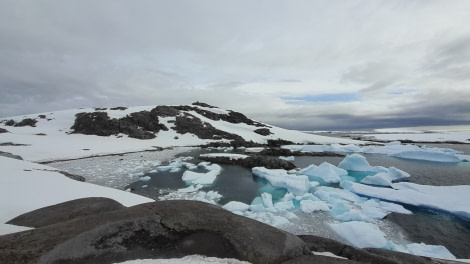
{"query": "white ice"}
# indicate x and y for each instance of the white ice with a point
(296, 184)
(452, 199)
(361, 234)
(325, 171)
(394, 149)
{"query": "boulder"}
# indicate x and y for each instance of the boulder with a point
(66, 211)
(3, 130)
(164, 229)
(27, 122)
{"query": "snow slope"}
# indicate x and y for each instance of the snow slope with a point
(50, 139)
(26, 186)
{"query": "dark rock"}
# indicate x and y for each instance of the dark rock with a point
(118, 108)
(3, 130)
(279, 142)
(276, 152)
(27, 122)
(320, 244)
(165, 111)
(10, 122)
(252, 161)
(12, 144)
(141, 125)
(42, 116)
(188, 123)
(101, 108)
(288, 152)
(73, 176)
(66, 211)
(263, 131)
(154, 230)
(203, 104)
(9, 155)
(41, 134)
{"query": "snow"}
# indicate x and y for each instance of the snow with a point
(27, 186)
(192, 259)
(289, 158)
(423, 134)
(59, 144)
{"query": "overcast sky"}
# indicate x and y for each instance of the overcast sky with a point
(307, 65)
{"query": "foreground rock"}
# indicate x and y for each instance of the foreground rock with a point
(100, 230)
(166, 229)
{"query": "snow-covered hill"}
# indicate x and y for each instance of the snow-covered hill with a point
(58, 135)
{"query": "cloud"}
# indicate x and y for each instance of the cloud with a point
(297, 64)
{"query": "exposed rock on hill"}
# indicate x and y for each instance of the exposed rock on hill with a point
(145, 124)
(141, 125)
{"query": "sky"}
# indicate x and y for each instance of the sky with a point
(307, 65)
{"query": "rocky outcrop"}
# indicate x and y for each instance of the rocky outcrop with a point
(288, 152)
(154, 230)
(188, 123)
(66, 211)
(141, 125)
(251, 162)
(263, 131)
(25, 122)
(3, 130)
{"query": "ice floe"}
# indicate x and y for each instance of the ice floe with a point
(394, 149)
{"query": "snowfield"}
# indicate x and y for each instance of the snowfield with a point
(51, 138)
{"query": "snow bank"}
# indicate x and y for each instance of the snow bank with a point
(192, 259)
(27, 186)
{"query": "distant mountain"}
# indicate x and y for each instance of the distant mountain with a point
(96, 131)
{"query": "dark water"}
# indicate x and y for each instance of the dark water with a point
(236, 183)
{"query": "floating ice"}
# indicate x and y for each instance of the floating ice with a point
(289, 158)
(452, 199)
(394, 149)
(297, 184)
(433, 251)
(202, 178)
(380, 178)
(361, 234)
(236, 206)
(357, 162)
(145, 178)
(326, 171)
(309, 206)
